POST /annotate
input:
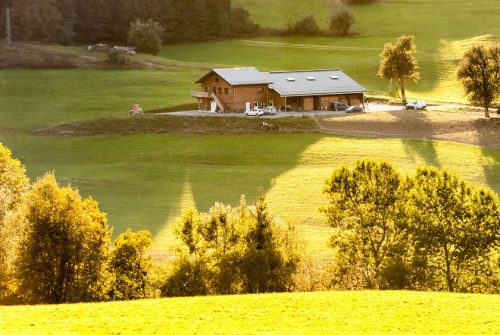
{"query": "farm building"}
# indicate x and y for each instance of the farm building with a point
(239, 89)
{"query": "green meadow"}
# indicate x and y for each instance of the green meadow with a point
(143, 181)
(368, 312)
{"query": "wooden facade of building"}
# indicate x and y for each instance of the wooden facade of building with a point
(235, 90)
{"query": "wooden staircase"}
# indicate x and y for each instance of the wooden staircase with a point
(208, 95)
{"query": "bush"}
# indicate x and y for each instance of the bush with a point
(228, 251)
(341, 22)
(130, 266)
(146, 36)
(115, 57)
(307, 26)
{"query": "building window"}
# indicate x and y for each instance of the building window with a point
(216, 79)
(256, 105)
(206, 89)
(220, 90)
(215, 89)
(226, 90)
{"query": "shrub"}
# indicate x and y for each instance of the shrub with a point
(229, 251)
(146, 36)
(341, 22)
(307, 26)
(115, 57)
(130, 266)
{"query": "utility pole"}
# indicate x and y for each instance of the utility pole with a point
(8, 29)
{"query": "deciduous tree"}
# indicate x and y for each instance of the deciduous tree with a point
(13, 184)
(130, 265)
(146, 36)
(398, 63)
(65, 245)
(363, 205)
(479, 72)
(454, 229)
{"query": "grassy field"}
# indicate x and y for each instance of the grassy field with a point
(143, 180)
(443, 31)
(298, 313)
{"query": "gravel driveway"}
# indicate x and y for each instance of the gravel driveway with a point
(370, 108)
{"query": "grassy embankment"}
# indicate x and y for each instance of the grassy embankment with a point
(298, 313)
(142, 181)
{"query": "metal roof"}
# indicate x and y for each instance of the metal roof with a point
(313, 82)
(240, 76)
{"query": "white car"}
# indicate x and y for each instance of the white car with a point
(254, 112)
(420, 104)
(269, 110)
(354, 109)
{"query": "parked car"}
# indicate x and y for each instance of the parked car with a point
(254, 112)
(269, 110)
(417, 104)
(354, 109)
(338, 106)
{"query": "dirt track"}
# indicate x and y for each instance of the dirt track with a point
(469, 127)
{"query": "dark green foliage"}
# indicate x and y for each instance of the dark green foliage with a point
(130, 265)
(479, 72)
(307, 26)
(145, 36)
(363, 209)
(341, 22)
(91, 21)
(432, 231)
(65, 245)
(229, 251)
(454, 229)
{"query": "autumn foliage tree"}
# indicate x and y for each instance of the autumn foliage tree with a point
(130, 265)
(479, 73)
(13, 185)
(64, 247)
(398, 63)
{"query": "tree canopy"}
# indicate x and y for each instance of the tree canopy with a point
(431, 231)
(479, 72)
(64, 247)
(398, 63)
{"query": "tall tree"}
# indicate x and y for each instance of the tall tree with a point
(398, 63)
(65, 245)
(13, 184)
(479, 72)
(363, 205)
(454, 229)
(40, 20)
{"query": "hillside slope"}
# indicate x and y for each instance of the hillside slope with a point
(293, 313)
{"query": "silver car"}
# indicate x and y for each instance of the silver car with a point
(269, 110)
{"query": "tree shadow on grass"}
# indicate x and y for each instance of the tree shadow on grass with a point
(489, 134)
(424, 149)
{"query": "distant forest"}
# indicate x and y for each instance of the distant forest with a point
(91, 21)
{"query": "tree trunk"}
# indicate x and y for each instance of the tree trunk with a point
(486, 112)
(403, 93)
